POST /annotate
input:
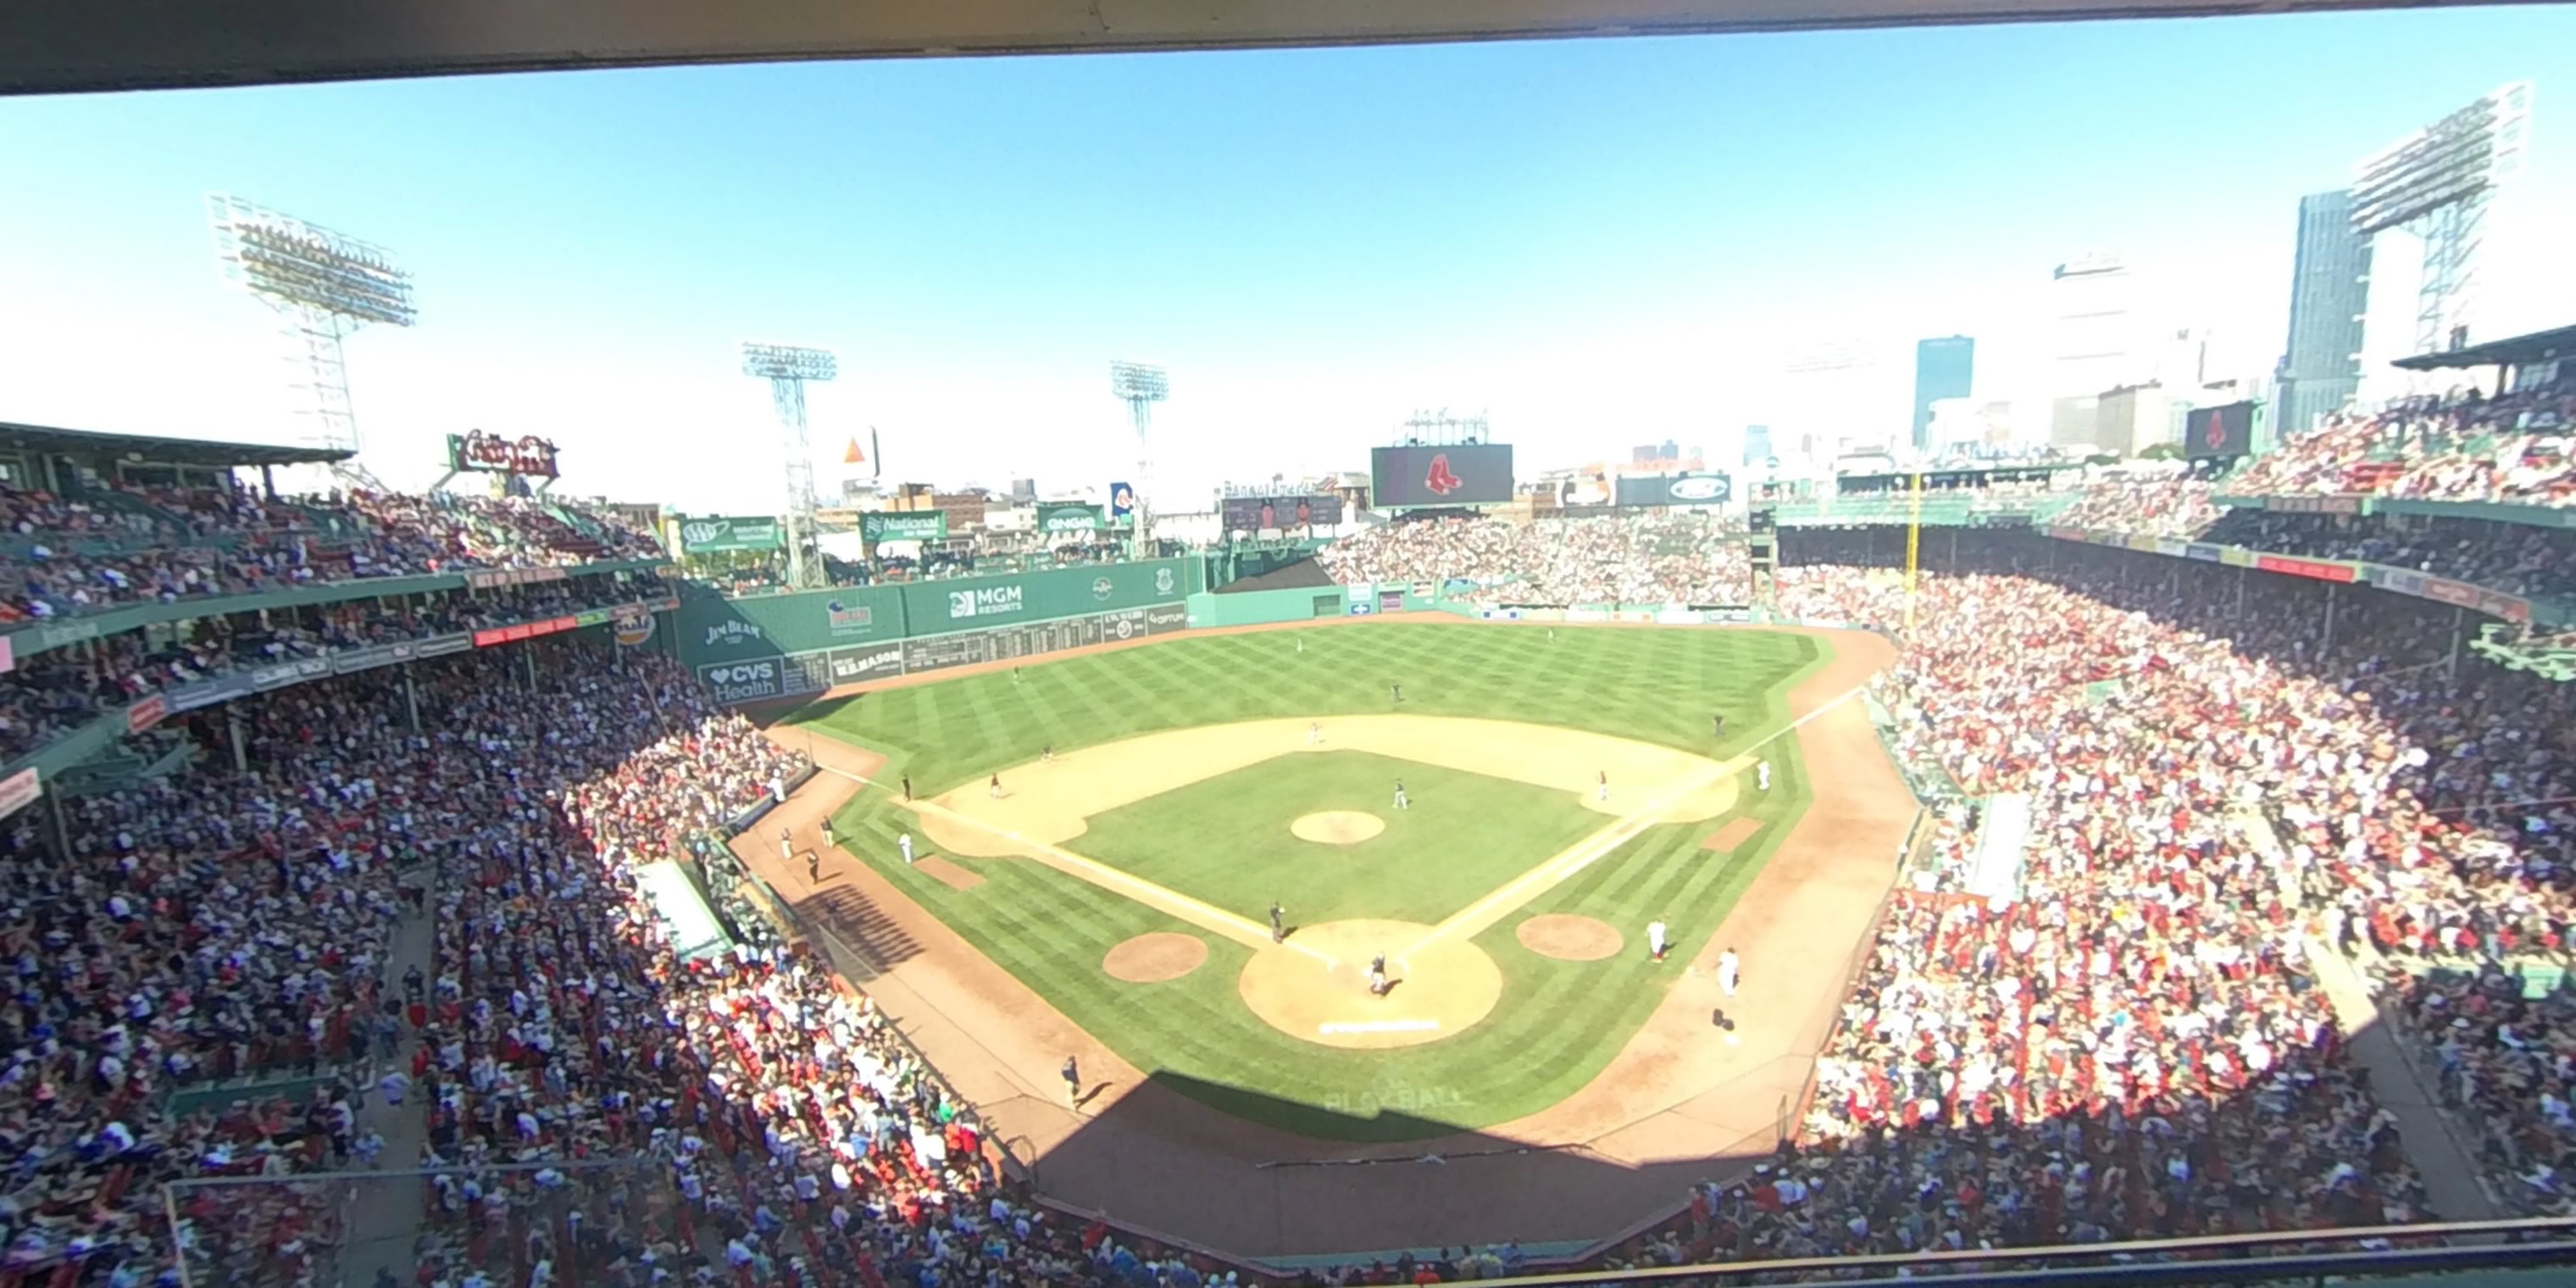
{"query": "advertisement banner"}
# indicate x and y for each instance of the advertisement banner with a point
(2405, 581)
(2457, 593)
(2314, 504)
(366, 659)
(1361, 608)
(1472, 474)
(1163, 619)
(1648, 490)
(2172, 547)
(442, 645)
(851, 665)
(1122, 505)
(2200, 550)
(2512, 608)
(1261, 513)
(590, 617)
(744, 681)
(1063, 518)
(8, 656)
(725, 536)
(19, 790)
(2236, 556)
(145, 714)
(502, 578)
(635, 628)
(206, 693)
(908, 525)
(2321, 569)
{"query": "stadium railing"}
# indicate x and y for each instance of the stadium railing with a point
(2419, 1253)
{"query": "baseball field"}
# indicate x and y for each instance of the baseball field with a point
(1114, 830)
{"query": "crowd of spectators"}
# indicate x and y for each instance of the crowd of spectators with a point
(1675, 559)
(120, 543)
(2512, 448)
(48, 694)
(597, 1110)
(2177, 505)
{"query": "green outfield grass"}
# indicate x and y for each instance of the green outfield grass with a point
(1558, 1022)
(1225, 840)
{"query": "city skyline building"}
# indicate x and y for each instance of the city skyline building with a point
(2320, 369)
(1944, 367)
(2093, 341)
(1757, 444)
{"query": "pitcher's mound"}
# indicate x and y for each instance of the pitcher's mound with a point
(1337, 827)
(1569, 938)
(1151, 959)
(1315, 986)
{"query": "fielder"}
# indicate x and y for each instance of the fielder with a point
(1402, 801)
(1046, 754)
(1395, 694)
(1314, 733)
(824, 830)
(1762, 774)
(1604, 793)
(786, 845)
(1278, 923)
(1072, 1082)
(905, 841)
(994, 788)
(1727, 966)
(1377, 975)
(1655, 939)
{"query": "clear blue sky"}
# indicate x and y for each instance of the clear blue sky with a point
(1601, 242)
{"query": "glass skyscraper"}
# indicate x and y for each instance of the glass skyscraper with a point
(2329, 293)
(1943, 368)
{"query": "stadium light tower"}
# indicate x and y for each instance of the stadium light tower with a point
(2439, 184)
(787, 367)
(323, 286)
(1140, 386)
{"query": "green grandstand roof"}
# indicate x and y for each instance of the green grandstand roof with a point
(152, 449)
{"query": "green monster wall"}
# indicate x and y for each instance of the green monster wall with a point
(781, 646)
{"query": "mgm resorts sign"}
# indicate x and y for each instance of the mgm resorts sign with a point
(989, 601)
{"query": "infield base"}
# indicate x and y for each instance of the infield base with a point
(1315, 988)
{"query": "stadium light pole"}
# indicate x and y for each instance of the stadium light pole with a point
(1140, 386)
(322, 285)
(1913, 543)
(787, 368)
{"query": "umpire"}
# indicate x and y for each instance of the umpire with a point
(1278, 923)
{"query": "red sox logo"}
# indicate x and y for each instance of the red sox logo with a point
(1440, 480)
(2216, 434)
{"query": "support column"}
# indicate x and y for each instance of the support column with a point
(237, 733)
(2459, 635)
(2328, 641)
(2241, 574)
(411, 698)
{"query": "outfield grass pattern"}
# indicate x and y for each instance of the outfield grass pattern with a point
(1559, 1022)
(1225, 840)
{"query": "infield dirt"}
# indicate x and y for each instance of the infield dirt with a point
(1682, 1102)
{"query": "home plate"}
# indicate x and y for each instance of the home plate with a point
(1376, 1026)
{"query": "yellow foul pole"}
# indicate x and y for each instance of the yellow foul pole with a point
(1913, 544)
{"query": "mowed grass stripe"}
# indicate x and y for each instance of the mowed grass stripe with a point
(1558, 1023)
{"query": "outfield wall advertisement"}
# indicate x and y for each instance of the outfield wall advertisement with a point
(805, 674)
(775, 646)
